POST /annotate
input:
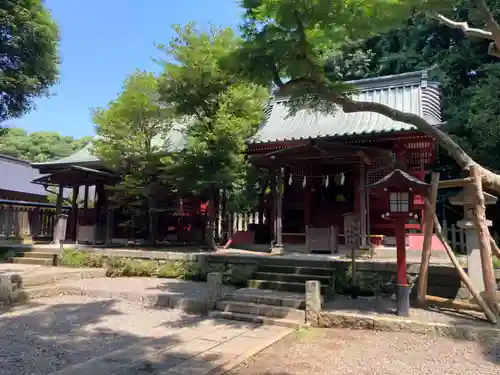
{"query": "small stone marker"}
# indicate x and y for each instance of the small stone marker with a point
(313, 301)
(5, 289)
(214, 282)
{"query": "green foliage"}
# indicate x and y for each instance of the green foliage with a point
(292, 39)
(75, 258)
(28, 47)
(367, 283)
(222, 110)
(236, 275)
(132, 133)
(6, 254)
(469, 76)
(38, 146)
(126, 267)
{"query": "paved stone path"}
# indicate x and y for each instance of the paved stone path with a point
(78, 335)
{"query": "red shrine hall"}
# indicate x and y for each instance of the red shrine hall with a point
(322, 164)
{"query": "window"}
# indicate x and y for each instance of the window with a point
(399, 202)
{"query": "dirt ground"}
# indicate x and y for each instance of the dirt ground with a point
(350, 352)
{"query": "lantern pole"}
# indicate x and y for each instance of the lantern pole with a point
(402, 287)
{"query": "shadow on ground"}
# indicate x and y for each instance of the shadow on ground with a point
(39, 339)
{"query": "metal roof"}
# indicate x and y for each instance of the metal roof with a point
(174, 141)
(408, 92)
(17, 176)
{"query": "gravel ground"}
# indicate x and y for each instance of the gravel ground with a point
(60, 331)
(143, 285)
(349, 352)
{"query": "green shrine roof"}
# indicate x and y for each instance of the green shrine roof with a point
(409, 92)
(174, 141)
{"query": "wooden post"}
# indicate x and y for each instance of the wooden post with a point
(307, 201)
(86, 203)
(362, 203)
(58, 232)
(59, 200)
(109, 226)
(427, 245)
(454, 237)
(279, 210)
(74, 212)
(272, 208)
(483, 234)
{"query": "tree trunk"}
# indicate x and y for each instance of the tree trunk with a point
(479, 217)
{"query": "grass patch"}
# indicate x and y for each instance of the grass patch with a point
(306, 333)
(236, 275)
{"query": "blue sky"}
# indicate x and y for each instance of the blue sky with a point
(102, 41)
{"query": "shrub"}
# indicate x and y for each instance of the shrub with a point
(7, 254)
(75, 258)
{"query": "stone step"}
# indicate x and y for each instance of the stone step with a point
(289, 261)
(269, 297)
(283, 286)
(297, 270)
(29, 260)
(271, 311)
(256, 319)
(37, 254)
(292, 277)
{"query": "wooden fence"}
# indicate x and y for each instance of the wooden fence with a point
(18, 221)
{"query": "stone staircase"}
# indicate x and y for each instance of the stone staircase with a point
(276, 293)
(42, 258)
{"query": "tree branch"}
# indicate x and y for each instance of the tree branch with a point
(465, 28)
(492, 26)
(491, 33)
(491, 181)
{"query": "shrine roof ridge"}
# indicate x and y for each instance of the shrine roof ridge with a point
(409, 92)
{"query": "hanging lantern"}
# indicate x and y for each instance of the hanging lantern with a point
(327, 181)
(339, 179)
(304, 182)
(290, 179)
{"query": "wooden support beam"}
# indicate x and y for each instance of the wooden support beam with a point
(463, 275)
(455, 183)
(483, 233)
(452, 304)
(74, 212)
(426, 248)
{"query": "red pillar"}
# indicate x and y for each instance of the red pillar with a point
(399, 228)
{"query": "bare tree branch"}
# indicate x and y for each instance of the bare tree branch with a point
(465, 28)
(491, 25)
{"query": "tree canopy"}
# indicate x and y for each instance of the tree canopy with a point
(131, 133)
(28, 55)
(222, 110)
(467, 72)
(38, 146)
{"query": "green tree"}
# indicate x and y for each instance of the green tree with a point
(468, 74)
(28, 55)
(222, 109)
(289, 42)
(130, 133)
(38, 146)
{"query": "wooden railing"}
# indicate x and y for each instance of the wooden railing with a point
(26, 220)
